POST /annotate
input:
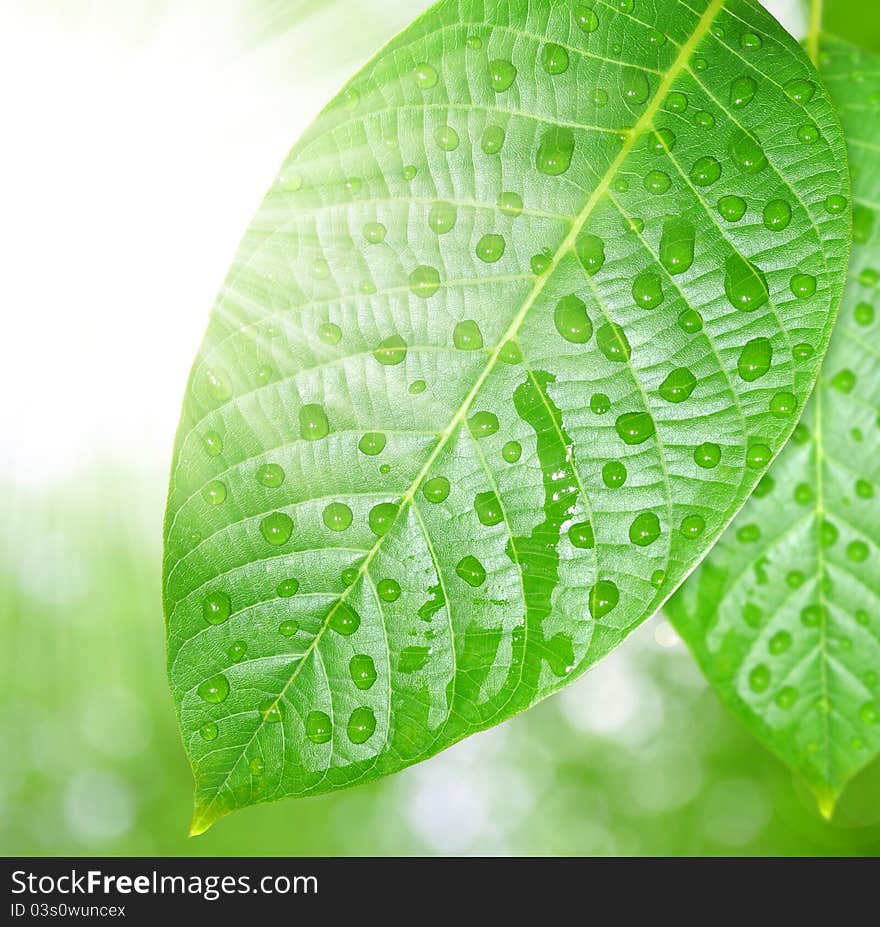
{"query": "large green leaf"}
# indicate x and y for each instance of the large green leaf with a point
(784, 615)
(479, 391)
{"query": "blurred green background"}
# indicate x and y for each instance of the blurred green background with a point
(638, 757)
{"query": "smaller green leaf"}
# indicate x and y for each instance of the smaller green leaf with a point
(784, 615)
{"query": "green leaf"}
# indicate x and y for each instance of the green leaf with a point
(784, 615)
(468, 409)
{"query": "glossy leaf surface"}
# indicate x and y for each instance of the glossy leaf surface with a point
(524, 318)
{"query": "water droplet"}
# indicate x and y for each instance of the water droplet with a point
(614, 474)
(591, 253)
(363, 671)
(436, 489)
(657, 182)
(391, 351)
(676, 102)
(490, 248)
(748, 154)
(600, 404)
(690, 321)
(600, 97)
(287, 588)
(319, 729)
(214, 690)
(645, 529)
(209, 731)
(361, 725)
(844, 381)
(215, 493)
(410, 172)
(783, 404)
(828, 533)
(731, 208)
(381, 518)
(678, 386)
(758, 456)
(800, 91)
(635, 427)
(858, 551)
(277, 528)
(493, 140)
(777, 215)
(749, 41)
(216, 608)
(863, 224)
(808, 133)
(581, 536)
(869, 713)
(471, 571)
(424, 281)
(512, 451)
(372, 443)
(270, 475)
(765, 486)
(467, 336)
(745, 284)
(313, 422)
(742, 91)
(634, 86)
(677, 244)
(218, 385)
(446, 138)
(755, 359)
(811, 616)
(488, 509)
(337, 516)
(604, 597)
(511, 204)
(237, 650)
(320, 269)
(554, 58)
(417, 387)
(692, 526)
(375, 232)
(752, 615)
(863, 314)
(540, 263)
(388, 590)
(706, 171)
(612, 342)
(803, 286)
(864, 489)
(213, 443)
(343, 619)
(759, 679)
(288, 628)
(803, 494)
(586, 18)
(483, 424)
(426, 76)
(647, 290)
(707, 455)
(511, 353)
(502, 74)
(474, 42)
(555, 151)
(748, 534)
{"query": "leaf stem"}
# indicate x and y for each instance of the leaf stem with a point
(815, 30)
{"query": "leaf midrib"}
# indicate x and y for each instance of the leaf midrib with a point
(202, 818)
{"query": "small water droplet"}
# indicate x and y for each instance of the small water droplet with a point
(209, 731)
(554, 58)
(742, 91)
(635, 427)
(490, 248)
(502, 74)
(426, 76)
(270, 475)
(512, 451)
(645, 529)
(216, 608)
(488, 509)
(277, 528)
(361, 725)
(677, 244)
(483, 424)
(555, 151)
(319, 728)
(214, 690)
(755, 359)
(604, 597)
(381, 518)
(745, 284)
(493, 140)
(363, 671)
(436, 489)
(313, 422)
(471, 571)
(707, 455)
(467, 336)
(614, 474)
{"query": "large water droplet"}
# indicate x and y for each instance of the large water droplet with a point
(502, 74)
(471, 571)
(216, 608)
(745, 284)
(313, 422)
(214, 690)
(604, 597)
(677, 244)
(277, 528)
(363, 671)
(755, 359)
(319, 728)
(555, 151)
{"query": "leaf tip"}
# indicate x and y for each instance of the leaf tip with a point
(826, 801)
(202, 820)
